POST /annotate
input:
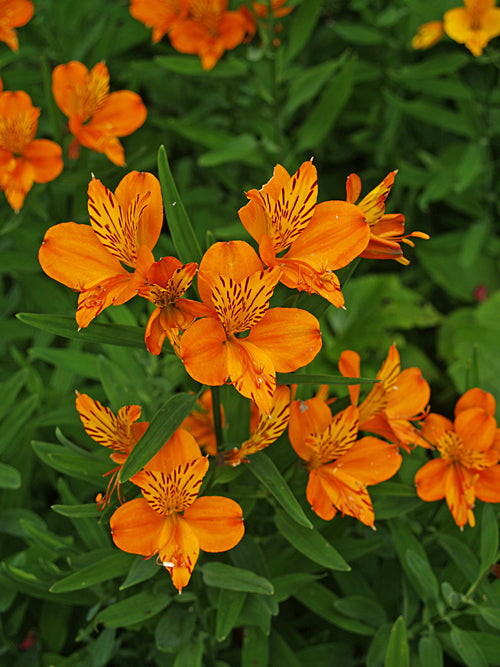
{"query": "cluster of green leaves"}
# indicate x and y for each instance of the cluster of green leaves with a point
(345, 87)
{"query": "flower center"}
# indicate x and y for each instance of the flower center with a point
(17, 132)
(453, 449)
(208, 13)
(94, 94)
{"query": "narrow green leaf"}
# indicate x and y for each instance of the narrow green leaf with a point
(93, 533)
(460, 553)
(175, 627)
(489, 537)
(398, 652)
(10, 478)
(15, 420)
(71, 463)
(45, 539)
(307, 84)
(281, 653)
(191, 66)
(467, 648)
(135, 609)
(183, 236)
(423, 573)
(268, 474)
(191, 655)
(61, 325)
(141, 570)
(76, 511)
(229, 606)
(285, 585)
(430, 652)
(108, 567)
(243, 148)
(304, 20)
(310, 378)
(80, 363)
(10, 389)
(310, 543)
(163, 425)
(255, 651)
(225, 576)
(364, 609)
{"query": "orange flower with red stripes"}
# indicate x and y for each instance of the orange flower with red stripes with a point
(160, 15)
(24, 160)
(306, 240)
(170, 519)
(386, 230)
(124, 228)
(234, 285)
(341, 467)
(397, 400)
(96, 117)
(468, 465)
(14, 14)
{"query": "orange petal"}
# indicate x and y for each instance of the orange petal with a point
(389, 371)
(45, 157)
(217, 523)
(204, 352)
(370, 460)
(435, 426)
(347, 494)
(289, 336)
(122, 113)
(73, 255)
(338, 437)
(180, 448)
(136, 528)
(252, 372)
(270, 426)
(104, 427)
(178, 550)
(476, 428)
(68, 83)
(306, 417)
(475, 31)
(349, 366)
(430, 480)
(476, 398)
(158, 14)
(319, 495)
(409, 396)
(149, 225)
(428, 34)
(488, 485)
(460, 495)
(17, 182)
(353, 188)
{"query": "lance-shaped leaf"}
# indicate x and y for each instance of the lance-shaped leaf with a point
(108, 567)
(235, 579)
(163, 425)
(269, 475)
(183, 236)
(311, 378)
(62, 325)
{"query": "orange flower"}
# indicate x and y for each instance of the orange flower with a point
(428, 34)
(340, 466)
(200, 423)
(166, 281)
(386, 231)
(399, 398)
(124, 228)
(318, 239)
(170, 520)
(232, 282)
(469, 451)
(24, 160)
(208, 30)
(120, 433)
(264, 428)
(473, 25)
(262, 8)
(158, 14)
(14, 14)
(96, 117)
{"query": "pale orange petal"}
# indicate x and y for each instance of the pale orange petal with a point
(370, 460)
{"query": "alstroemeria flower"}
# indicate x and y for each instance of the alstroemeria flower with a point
(397, 400)
(340, 466)
(24, 160)
(308, 241)
(469, 451)
(386, 231)
(166, 281)
(170, 520)
(264, 428)
(96, 117)
(119, 433)
(233, 283)
(158, 14)
(200, 423)
(124, 229)
(208, 30)
(14, 14)
(428, 34)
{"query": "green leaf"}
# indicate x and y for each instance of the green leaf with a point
(310, 543)
(266, 472)
(10, 389)
(491, 615)
(111, 334)
(285, 585)
(44, 539)
(225, 576)
(321, 119)
(489, 537)
(432, 114)
(255, 651)
(281, 653)
(191, 655)
(183, 236)
(104, 569)
(80, 363)
(141, 570)
(432, 66)
(191, 66)
(460, 553)
(422, 571)
(135, 609)
(364, 609)
(77, 511)
(467, 648)
(311, 378)
(355, 33)
(10, 478)
(405, 542)
(229, 605)
(430, 652)
(321, 601)
(303, 22)
(175, 628)
(16, 420)
(163, 425)
(307, 84)
(71, 463)
(243, 148)
(398, 652)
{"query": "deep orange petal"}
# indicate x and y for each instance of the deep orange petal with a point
(320, 495)
(104, 427)
(180, 448)
(409, 396)
(428, 34)
(252, 372)
(46, 158)
(476, 398)
(476, 428)
(133, 185)
(289, 336)
(488, 485)
(217, 523)
(69, 82)
(136, 528)
(430, 480)
(158, 14)
(460, 495)
(371, 461)
(349, 366)
(435, 426)
(306, 417)
(204, 352)
(122, 113)
(178, 550)
(17, 181)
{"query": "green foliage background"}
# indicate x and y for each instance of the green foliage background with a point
(345, 87)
